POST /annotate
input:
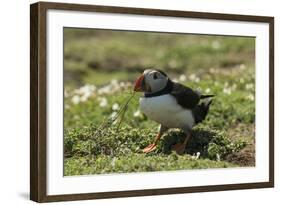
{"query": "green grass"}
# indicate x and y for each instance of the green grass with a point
(122, 151)
(223, 66)
(227, 108)
(96, 52)
(137, 163)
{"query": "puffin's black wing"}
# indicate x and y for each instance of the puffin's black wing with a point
(185, 96)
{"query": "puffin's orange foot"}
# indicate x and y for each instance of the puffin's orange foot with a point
(149, 148)
(179, 148)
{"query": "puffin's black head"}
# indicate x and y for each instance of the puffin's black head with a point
(151, 81)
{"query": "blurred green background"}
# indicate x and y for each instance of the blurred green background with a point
(97, 56)
(100, 67)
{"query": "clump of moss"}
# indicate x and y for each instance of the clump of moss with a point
(122, 151)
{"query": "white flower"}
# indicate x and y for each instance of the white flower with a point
(251, 97)
(137, 113)
(216, 45)
(75, 99)
(115, 106)
(122, 84)
(113, 115)
(66, 94)
(84, 93)
(212, 70)
(197, 79)
(84, 98)
(208, 90)
(227, 91)
(113, 87)
(242, 67)
(66, 106)
(182, 78)
(114, 82)
(172, 63)
(87, 89)
(103, 102)
(249, 86)
(192, 77)
(105, 90)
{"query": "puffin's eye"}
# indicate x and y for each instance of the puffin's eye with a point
(155, 76)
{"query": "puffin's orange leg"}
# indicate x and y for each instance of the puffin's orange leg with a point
(152, 146)
(179, 148)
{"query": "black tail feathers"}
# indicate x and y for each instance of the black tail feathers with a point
(206, 96)
(200, 111)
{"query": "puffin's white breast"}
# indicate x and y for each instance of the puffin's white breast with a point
(165, 110)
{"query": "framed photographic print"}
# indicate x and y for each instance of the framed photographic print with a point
(134, 102)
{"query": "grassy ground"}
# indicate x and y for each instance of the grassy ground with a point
(100, 67)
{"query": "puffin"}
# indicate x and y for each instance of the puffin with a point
(170, 104)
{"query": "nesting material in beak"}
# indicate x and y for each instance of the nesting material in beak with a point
(138, 84)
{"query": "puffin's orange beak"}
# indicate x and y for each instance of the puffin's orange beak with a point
(138, 83)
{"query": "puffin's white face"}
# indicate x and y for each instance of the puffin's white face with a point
(151, 81)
